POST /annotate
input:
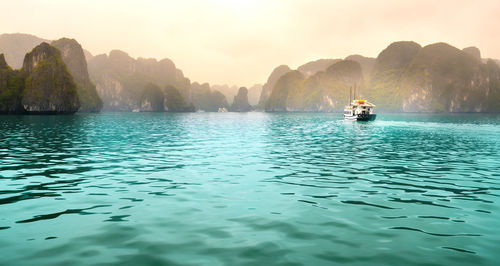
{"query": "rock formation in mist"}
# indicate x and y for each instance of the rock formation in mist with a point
(42, 86)
(473, 51)
(404, 77)
(383, 83)
(442, 78)
(231, 91)
(271, 82)
(152, 99)
(174, 101)
(240, 102)
(313, 67)
(254, 94)
(120, 79)
(228, 91)
(11, 88)
(49, 87)
(324, 91)
(206, 99)
(74, 58)
(367, 63)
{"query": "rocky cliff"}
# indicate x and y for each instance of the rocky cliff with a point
(49, 87)
(434, 78)
(11, 88)
(174, 101)
(121, 79)
(324, 91)
(313, 67)
(152, 99)
(442, 78)
(206, 99)
(271, 82)
(74, 58)
(240, 102)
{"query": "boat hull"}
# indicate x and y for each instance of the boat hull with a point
(360, 117)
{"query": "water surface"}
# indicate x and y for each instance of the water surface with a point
(254, 188)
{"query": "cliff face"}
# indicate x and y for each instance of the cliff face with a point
(203, 98)
(174, 101)
(367, 63)
(49, 87)
(152, 99)
(240, 102)
(74, 58)
(324, 91)
(271, 82)
(435, 78)
(384, 82)
(286, 86)
(442, 78)
(313, 67)
(11, 88)
(120, 79)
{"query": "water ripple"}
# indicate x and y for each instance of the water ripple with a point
(241, 189)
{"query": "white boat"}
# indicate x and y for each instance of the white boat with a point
(359, 110)
(222, 110)
(136, 110)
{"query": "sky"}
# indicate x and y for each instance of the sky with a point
(240, 42)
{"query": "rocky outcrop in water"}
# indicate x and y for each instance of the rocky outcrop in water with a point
(74, 58)
(324, 91)
(11, 88)
(271, 82)
(121, 79)
(442, 78)
(404, 77)
(174, 101)
(240, 102)
(49, 87)
(206, 99)
(152, 99)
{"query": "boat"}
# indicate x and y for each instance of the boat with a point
(136, 110)
(222, 110)
(359, 110)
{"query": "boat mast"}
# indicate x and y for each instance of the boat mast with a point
(350, 95)
(354, 91)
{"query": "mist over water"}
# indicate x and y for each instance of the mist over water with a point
(252, 188)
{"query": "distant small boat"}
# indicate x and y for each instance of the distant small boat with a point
(222, 110)
(136, 110)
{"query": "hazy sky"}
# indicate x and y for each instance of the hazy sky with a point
(241, 41)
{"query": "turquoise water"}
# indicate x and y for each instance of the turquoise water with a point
(249, 189)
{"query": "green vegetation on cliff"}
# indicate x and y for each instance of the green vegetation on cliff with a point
(174, 101)
(324, 91)
(205, 99)
(11, 88)
(49, 87)
(152, 99)
(121, 79)
(74, 58)
(240, 102)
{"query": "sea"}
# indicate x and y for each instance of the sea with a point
(249, 189)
